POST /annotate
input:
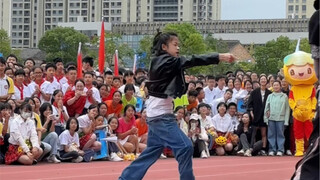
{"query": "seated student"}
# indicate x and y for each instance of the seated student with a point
(93, 94)
(192, 98)
(115, 105)
(232, 112)
(74, 100)
(115, 86)
(128, 96)
(127, 132)
(247, 145)
(206, 122)
(59, 111)
(5, 121)
(198, 136)
(20, 89)
(142, 126)
(112, 147)
(223, 126)
(49, 136)
(88, 139)
(115, 148)
(69, 142)
(103, 109)
(71, 77)
(24, 146)
(104, 92)
(180, 113)
(227, 97)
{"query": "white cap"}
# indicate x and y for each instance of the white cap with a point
(194, 116)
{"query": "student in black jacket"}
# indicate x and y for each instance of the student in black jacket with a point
(166, 82)
(256, 105)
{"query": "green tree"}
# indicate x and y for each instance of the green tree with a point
(216, 45)
(145, 45)
(269, 58)
(5, 48)
(63, 42)
(112, 44)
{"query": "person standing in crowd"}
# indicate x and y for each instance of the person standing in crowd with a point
(276, 116)
(59, 75)
(256, 105)
(128, 76)
(226, 99)
(209, 90)
(29, 63)
(221, 87)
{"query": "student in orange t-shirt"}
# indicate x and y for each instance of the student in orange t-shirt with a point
(192, 98)
(142, 126)
(115, 105)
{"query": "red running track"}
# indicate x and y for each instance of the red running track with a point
(214, 168)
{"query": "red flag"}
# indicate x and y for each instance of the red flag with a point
(79, 61)
(116, 70)
(101, 50)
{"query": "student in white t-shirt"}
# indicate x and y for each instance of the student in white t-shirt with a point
(93, 94)
(59, 75)
(128, 76)
(72, 77)
(20, 89)
(223, 127)
(69, 142)
(50, 84)
(232, 112)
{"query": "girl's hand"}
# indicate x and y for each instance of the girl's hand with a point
(268, 114)
(227, 57)
(60, 105)
(134, 130)
(30, 155)
(81, 153)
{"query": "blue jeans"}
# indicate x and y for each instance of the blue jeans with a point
(163, 132)
(276, 136)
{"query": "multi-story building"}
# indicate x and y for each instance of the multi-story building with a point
(5, 14)
(27, 20)
(170, 10)
(299, 9)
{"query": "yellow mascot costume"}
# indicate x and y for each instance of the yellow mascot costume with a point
(299, 72)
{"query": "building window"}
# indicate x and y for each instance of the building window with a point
(304, 8)
(297, 1)
(290, 9)
(290, 1)
(297, 8)
(304, 1)
(303, 16)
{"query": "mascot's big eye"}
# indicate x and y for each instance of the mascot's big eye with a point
(292, 72)
(309, 70)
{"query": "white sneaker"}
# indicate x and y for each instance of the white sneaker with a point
(248, 153)
(115, 158)
(53, 159)
(271, 153)
(288, 153)
(240, 153)
(162, 156)
(79, 159)
(279, 153)
(204, 155)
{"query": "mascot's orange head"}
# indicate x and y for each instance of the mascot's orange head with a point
(298, 68)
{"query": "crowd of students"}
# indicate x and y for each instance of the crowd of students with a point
(49, 114)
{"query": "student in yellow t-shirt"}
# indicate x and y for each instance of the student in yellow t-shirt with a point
(6, 83)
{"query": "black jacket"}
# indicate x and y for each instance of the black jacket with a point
(166, 74)
(256, 105)
(314, 29)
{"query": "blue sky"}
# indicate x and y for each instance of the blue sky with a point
(253, 9)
